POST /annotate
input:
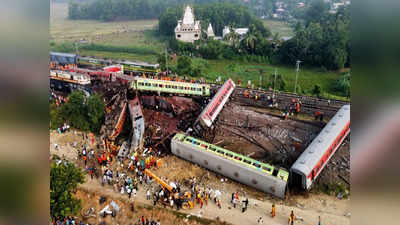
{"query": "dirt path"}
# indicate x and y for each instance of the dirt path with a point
(331, 214)
(331, 210)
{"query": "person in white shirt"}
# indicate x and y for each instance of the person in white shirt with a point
(148, 194)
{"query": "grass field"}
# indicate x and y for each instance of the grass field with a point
(125, 33)
(308, 77)
(279, 27)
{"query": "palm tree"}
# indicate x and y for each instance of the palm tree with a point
(232, 37)
(250, 42)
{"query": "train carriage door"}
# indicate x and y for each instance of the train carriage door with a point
(297, 180)
(204, 90)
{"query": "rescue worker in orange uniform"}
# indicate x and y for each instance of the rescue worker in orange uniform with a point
(273, 210)
(291, 218)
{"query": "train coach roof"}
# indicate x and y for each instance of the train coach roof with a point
(62, 54)
(282, 174)
(137, 63)
(140, 79)
(318, 147)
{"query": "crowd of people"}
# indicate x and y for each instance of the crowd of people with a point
(58, 99)
(130, 176)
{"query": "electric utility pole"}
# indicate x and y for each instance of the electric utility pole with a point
(274, 82)
(297, 74)
(166, 60)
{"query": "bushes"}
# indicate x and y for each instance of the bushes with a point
(80, 112)
(187, 66)
(342, 85)
(280, 82)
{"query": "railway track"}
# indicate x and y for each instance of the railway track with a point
(309, 104)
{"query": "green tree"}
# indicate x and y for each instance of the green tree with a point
(317, 12)
(95, 108)
(232, 37)
(64, 178)
(56, 119)
(75, 110)
(184, 65)
(317, 90)
(249, 43)
(343, 85)
(280, 82)
(167, 21)
(162, 60)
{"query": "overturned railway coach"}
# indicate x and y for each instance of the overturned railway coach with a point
(171, 87)
(311, 162)
(245, 170)
(211, 111)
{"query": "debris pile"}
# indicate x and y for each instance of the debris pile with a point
(116, 103)
(262, 136)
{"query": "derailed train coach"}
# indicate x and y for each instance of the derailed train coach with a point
(245, 170)
(210, 113)
(311, 162)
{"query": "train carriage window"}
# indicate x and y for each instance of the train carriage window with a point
(267, 169)
(229, 154)
(257, 165)
(160, 85)
(174, 87)
(238, 158)
(220, 151)
(213, 149)
(247, 161)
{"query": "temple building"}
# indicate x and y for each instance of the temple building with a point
(210, 32)
(188, 29)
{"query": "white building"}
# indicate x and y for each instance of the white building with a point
(188, 29)
(210, 31)
(240, 31)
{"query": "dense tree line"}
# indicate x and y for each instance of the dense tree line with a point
(218, 14)
(110, 10)
(323, 42)
(150, 9)
(80, 112)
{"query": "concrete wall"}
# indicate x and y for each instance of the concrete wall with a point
(228, 168)
(187, 36)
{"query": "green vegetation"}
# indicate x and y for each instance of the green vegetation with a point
(81, 112)
(138, 36)
(343, 84)
(286, 76)
(323, 42)
(279, 27)
(335, 189)
(64, 178)
(218, 14)
(213, 58)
